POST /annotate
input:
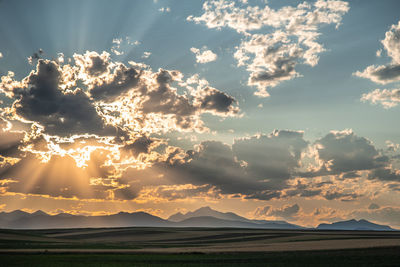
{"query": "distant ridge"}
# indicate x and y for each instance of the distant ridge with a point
(213, 218)
(354, 225)
(203, 217)
(207, 211)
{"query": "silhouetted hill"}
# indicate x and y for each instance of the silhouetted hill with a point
(354, 225)
(207, 211)
(41, 220)
(209, 221)
(227, 216)
(203, 217)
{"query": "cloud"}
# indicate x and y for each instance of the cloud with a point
(385, 174)
(285, 212)
(373, 206)
(93, 64)
(40, 99)
(112, 99)
(291, 36)
(164, 9)
(387, 98)
(140, 145)
(262, 211)
(146, 54)
(386, 215)
(59, 177)
(9, 140)
(343, 196)
(254, 168)
(204, 55)
(216, 102)
(178, 193)
(343, 151)
(35, 56)
(381, 74)
(384, 74)
(271, 157)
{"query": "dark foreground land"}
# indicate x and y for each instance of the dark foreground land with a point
(197, 247)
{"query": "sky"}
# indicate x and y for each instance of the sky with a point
(278, 110)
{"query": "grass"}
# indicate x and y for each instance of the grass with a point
(386, 256)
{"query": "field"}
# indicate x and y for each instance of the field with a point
(197, 247)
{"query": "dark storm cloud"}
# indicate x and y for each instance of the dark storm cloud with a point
(60, 112)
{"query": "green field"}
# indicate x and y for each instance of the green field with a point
(138, 246)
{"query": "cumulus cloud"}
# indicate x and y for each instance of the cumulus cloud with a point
(39, 98)
(115, 99)
(386, 97)
(384, 74)
(343, 151)
(253, 168)
(203, 55)
(271, 157)
(291, 36)
(95, 117)
(146, 54)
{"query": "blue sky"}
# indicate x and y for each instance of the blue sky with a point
(325, 97)
(329, 88)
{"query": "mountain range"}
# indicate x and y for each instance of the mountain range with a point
(203, 217)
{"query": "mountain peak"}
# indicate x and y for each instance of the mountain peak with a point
(39, 212)
(205, 208)
(17, 212)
